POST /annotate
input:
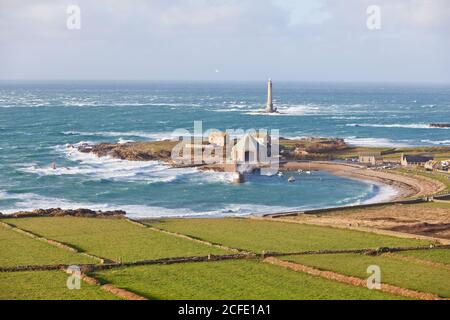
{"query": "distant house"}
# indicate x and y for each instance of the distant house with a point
(414, 160)
(371, 158)
(433, 165)
(445, 165)
(248, 150)
(437, 165)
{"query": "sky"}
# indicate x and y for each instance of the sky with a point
(247, 40)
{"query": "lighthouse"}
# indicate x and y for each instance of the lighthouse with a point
(269, 107)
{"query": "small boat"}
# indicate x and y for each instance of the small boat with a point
(280, 174)
(291, 179)
(308, 172)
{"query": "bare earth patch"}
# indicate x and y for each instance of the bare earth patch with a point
(421, 219)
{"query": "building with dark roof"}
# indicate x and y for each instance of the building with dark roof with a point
(415, 160)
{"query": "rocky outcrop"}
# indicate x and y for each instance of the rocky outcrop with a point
(58, 212)
(132, 151)
(440, 125)
(311, 148)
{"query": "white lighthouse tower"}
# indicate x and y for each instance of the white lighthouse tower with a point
(269, 106)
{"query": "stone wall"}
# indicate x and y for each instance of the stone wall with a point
(325, 210)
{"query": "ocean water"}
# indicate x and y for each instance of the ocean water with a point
(39, 122)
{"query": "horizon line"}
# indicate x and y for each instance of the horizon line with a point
(233, 80)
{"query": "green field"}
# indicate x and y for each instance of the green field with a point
(254, 235)
(115, 239)
(46, 285)
(231, 280)
(437, 255)
(404, 274)
(18, 249)
(439, 153)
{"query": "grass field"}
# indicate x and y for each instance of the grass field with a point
(441, 177)
(439, 153)
(113, 238)
(257, 236)
(440, 256)
(441, 205)
(46, 285)
(236, 279)
(405, 274)
(231, 280)
(17, 249)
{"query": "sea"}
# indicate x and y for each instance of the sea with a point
(40, 122)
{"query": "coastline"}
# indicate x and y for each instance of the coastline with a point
(405, 187)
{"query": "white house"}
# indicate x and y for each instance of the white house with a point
(249, 150)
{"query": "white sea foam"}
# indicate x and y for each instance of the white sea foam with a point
(141, 134)
(289, 110)
(375, 142)
(436, 142)
(31, 201)
(227, 110)
(124, 141)
(385, 193)
(396, 125)
(107, 168)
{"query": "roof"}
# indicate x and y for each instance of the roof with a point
(417, 158)
(247, 142)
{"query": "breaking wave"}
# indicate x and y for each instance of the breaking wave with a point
(107, 168)
(137, 134)
(409, 126)
(375, 142)
(436, 142)
(31, 201)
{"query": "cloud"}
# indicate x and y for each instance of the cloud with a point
(304, 12)
(245, 39)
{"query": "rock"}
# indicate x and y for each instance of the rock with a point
(440, 125)
(132, 151)
(237, 177)
(58, 212)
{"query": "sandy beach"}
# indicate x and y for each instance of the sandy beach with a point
(405, 187)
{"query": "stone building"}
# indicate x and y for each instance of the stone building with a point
(414, 160)
(437, 165)
(433, 165)
(370, 158)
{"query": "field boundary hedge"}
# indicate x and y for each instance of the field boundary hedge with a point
(330, 275)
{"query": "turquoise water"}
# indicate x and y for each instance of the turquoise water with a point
(39, 120)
